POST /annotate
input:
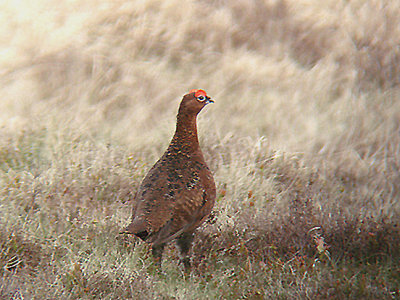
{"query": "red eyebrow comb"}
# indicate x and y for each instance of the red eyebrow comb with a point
(198, 93)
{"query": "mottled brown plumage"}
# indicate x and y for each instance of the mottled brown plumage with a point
(178, 193)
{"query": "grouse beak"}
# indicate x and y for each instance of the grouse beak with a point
(208, 100)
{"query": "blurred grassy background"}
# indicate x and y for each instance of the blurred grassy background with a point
(303, 139)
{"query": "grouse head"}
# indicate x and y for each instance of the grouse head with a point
(193, 102)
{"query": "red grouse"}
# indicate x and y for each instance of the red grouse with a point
(178, 193)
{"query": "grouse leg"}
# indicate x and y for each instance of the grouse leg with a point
(157, 254)
(185, 243)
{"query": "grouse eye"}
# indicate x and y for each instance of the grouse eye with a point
(201, 98)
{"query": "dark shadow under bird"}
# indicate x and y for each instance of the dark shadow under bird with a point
(178, 193)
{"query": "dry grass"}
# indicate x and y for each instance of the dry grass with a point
(303, 140)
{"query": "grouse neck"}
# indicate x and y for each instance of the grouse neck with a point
(186, 133)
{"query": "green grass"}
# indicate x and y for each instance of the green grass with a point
(60, 232)
(303, 141)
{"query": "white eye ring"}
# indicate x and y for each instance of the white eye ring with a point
(201, 98)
